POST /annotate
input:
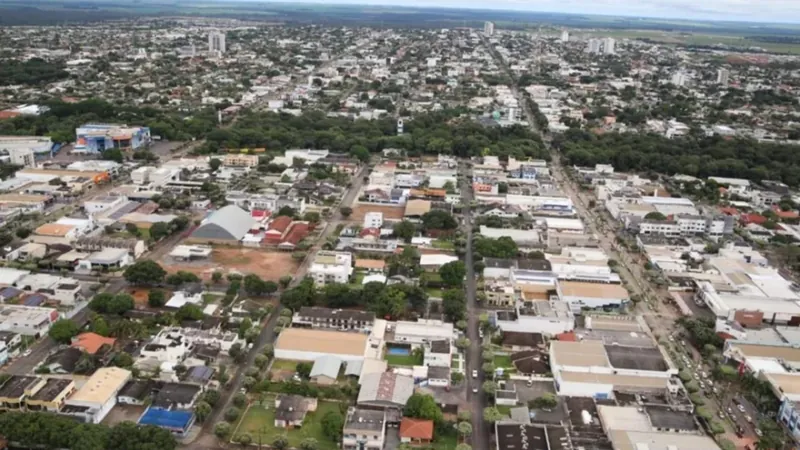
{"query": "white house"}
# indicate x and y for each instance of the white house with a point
(331, 267)
(422, 332)
(373, 220)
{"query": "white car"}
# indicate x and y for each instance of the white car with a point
(27, 352)
(474, 390)
(740, 408)
(759, 433)
(474, 373)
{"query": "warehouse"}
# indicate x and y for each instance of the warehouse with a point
(226, 226)
(298, 344)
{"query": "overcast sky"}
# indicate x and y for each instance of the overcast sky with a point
(738, 10)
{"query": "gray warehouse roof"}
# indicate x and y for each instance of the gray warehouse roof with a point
(327, 366)
(230, 222)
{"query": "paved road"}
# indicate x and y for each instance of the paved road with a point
(480, 429)
(267, 335)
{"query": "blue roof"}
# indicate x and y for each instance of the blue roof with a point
(200, 373)
(34, 300)
(10, 292)
(164, 418)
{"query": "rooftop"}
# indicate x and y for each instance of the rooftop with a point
(364, 419)
(101, 386)
(579, 354)
(15, 386)
(52, 389)
(594, 290)
(322, 341)
(636, 358)
(635, 440)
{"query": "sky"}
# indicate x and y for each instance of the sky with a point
(785, 11)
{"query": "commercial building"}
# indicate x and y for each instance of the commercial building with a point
(49, 394)
(421, 332)
(547, 317)
(638, 440)
(334, 319)
(579, 295)
(24, 145)
(331, 267)
(227, 225)
(27, 320)
(97, 138)
(385, 390)
(298, 344)
(93, 401)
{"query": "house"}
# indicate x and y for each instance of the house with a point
(325, 370)
(277, 229)
(13, 390)
(297, 232)
(371, 265)
(433, 262)
(91, 343)
(50, 394)
(291, 410)
(422, 331)
(438, 353)
(416, 431)
(63, 361)
(364, 429)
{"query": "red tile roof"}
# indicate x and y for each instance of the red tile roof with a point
(370, 232)
(296, 234)
(280, 223)
(416, 429)
(569, 337)
(91, 342)
(752, 218)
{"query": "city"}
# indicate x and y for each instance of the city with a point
(224, 231)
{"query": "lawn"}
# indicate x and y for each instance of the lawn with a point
(504, 409)
(443, 245)
(358, 278)
(284, 364)
(402, 360)
(445, 441)
(503, 361)
(454, 362)
(434, 292)
(260, 423)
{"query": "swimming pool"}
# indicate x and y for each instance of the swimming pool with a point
(398, 351)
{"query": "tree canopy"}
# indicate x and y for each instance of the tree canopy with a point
(145, 272)
(422, 406)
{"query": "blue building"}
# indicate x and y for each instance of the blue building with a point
(177, 422)
(789, 416)
(97, 138)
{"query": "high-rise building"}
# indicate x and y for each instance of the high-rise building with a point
(722, 76)
(565, 36)
(679, 78)
(593, 46)
(608, 46)
(488, 28)
(216, 42)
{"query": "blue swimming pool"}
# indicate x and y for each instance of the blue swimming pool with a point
(398, 351)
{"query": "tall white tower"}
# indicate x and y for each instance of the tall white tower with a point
(723, 75)
(216, 42)
(399, 127)
(565, 36)
(488, 28)
(608, 46)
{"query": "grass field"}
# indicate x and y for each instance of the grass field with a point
(502, 361)
(284, 364)
(666, 37)
(443, 245)
(260, 423)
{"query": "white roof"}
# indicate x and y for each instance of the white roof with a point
(668, 201)
(564, 224)
(11, 276)
(374, 278)
(436, 260)
(731, 181)
(514, 234)
(180, 298)
(432, 329)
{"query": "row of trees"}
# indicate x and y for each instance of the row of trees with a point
(46, 430)
(694, 155)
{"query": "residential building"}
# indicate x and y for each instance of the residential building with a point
(216, 42)
(488, 28)
(335, 319)
(547, 317)
(373, 220)
(386, 390)
(422, 332)
(331, 267)
(364, 429)
(416, 431)
(27, 320)
(14, 390)
(49, 394)
(723, 76)
(291, 410)
(438, 354)
(240, 160)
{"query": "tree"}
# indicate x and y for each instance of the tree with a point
(239, 400)
(159, 230)
(63, 330)
(202, 410)
(439, 220)
(465, 429)
(280, 442)
(222, 430)
(304, 369)
(454, 304)
(453, 273)
(244, 439)
(105, 303)
(421, 406)
(216, 277)
(332, 424)
(503, 247)
(359, 152)
(545, 401)
(189, 312)
(124, 360)
(346, 211)
(492, 414)
(489, 387)
(214, 164)
(156, 298)
(23, 232)
(284, 281)
(232, 414)
(309, 444)
(145, 272)
(404, 230)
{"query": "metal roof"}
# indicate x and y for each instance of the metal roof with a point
(230, 222)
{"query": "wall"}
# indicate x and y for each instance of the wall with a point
(297, 355)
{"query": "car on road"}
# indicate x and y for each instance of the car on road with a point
(27, 352)
(721, 415)
(740, 408)
(748, 419)
(474, 390)
(758, 432)
(474, 373)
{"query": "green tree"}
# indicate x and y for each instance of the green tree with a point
(360, 152)
(159, 230)
(63, 330)
(304, 369)
(214, 164)
(453, 273)
(145, 272)
(404, 230)
(309, 444)
(422, 406)
(284, 281)
(346, 211)
(655, 215)
(105, 303)
(189, 312)
(222, 430)
(280, 442)
(503, 247)
(489, 387)
(232, 414)
(454, 304)
(332, 424)
(216, 277)
(439, 220)
(492, 414)
(465, 429)
(202, 410)
(156, 298)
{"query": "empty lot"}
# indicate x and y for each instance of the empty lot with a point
(269, 265)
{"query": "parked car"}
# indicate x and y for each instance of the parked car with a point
(740, 407)
(474, 373)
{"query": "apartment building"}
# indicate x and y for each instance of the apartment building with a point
(331, 267)
(364, 429)
(338, 319)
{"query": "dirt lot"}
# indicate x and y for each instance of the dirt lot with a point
(389, 211)
(121, 413)
(269, 265)
(140, 296)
